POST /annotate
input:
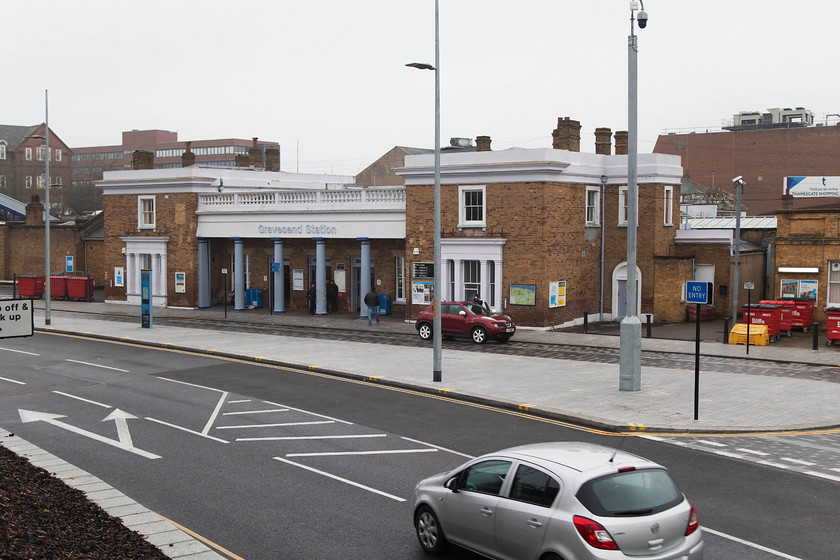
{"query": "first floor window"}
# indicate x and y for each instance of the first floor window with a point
(622, 206)
(2, 150)
(28, 154)
(668, 217)
(472, 208)
(146, 208)
(400, 280)
(29, 181)
(593, 214)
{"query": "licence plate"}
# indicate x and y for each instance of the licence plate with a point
(510, 330)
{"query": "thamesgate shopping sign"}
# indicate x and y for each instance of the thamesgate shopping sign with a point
(16, 319)
(697, 292)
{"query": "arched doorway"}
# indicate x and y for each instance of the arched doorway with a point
(619, 291)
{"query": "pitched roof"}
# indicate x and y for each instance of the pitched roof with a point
(14, 135)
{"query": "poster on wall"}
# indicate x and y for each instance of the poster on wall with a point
(119, 276)
(522, 294)
(297, 279)
(557, 293)
(806, 289)
(422, 293)
(180, 282)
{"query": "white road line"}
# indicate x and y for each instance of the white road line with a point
(220, 440)
(292, 438)
(439, 447)
(97, 365)
(712, 443)
(213, 416)
(255, 411)
(824, 475)
(798, 462)
(836, 470)
(307, 412)
(12, 381)
(340, 479)
(275, 425)
(751, 544)
(379, 452)
(192, 385)
(239, 401)
(753, 452)
(81, 399)
(20, 352)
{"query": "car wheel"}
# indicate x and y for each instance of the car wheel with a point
(425, 331)
(429, 531)
(479, 335)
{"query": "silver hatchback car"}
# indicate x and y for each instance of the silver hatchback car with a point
(558, 501)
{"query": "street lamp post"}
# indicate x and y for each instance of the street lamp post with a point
(630, 370)
(436, 331)
(46, 138)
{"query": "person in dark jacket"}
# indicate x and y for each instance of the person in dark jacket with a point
(332, 296)
(310, 297)
(372, 302)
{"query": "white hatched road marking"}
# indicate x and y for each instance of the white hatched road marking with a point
(275, 425)
(97, 365)
(294, 438)
(712, 443)
(239, 401)
(751, 544)
(753, 452)
(220, 440)
(255, 411)
(81, 399)
(341, 479)
(379, 452)
(439, 447)
(310, 413)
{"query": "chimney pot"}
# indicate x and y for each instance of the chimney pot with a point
(621, 142)
(482, 143)
(603, 141)
(567, 135)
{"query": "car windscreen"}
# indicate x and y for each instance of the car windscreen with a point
(630, 493)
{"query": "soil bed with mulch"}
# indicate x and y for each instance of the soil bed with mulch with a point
(43, 518)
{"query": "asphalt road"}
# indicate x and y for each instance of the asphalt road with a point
(270, 463)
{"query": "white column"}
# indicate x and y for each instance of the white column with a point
(484, 290)
(444, 281)
(497, 264)
(459, 280)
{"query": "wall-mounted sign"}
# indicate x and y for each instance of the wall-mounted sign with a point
(180, 282)
(557, 293)
(68, 263)
(811, 187)
(297, 279)
(423, 270)
(119, 276)
(522, 294)
(799, 289)
(422, 293)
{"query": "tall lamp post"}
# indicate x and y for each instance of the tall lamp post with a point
(436, 332)
(630, 369)
(46, 138)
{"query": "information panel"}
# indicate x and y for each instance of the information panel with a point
(16, 319)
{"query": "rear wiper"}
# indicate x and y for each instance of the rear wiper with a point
(634, 512)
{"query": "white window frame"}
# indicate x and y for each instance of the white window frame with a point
(399, 269)
(668, 208)
(143, 212)
(463, 222)
(593, 206)
(42, 183)
(623, 207)
(58, 154)
(28, 181)
(2, 150)
(833, 282)
(28, 154)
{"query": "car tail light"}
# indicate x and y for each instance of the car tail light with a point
(693, 522)
(594, 533)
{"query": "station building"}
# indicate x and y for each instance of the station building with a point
(532, 231)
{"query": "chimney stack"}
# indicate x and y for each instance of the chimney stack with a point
(482, 143)
(242, 160)
(603, 141)
(254, 155)
(34, 212)
(188, 157)
(787, 202)
(621, 140)
(567, 135)
(143, 159)
(272, 159)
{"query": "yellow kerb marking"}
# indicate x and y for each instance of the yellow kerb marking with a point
(525, 407)
(634, 427)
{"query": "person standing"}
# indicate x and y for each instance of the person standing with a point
(477, 299)
(310, 297)
(332, 296)
(372, 302)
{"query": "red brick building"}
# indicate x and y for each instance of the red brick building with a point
(23, 164)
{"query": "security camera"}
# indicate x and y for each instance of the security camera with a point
(739, 179)
(642, 19)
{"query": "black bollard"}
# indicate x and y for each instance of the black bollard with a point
(648, 321)
(816, 327)
(726, 330)
(585, 323)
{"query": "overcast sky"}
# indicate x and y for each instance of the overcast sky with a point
(326, 78)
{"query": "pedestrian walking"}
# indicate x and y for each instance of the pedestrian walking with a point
(477, 299)
(372, 302)
(310, 297)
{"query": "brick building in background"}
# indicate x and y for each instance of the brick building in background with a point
(763, 148)
(22, 164)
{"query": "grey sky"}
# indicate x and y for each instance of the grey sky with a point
(326, 78)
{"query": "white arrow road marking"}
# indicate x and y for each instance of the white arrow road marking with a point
(121, 417)
(27, 416)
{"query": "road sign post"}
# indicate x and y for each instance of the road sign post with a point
(749, 286)
(698, 294)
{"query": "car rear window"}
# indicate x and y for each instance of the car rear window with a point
(631, 493)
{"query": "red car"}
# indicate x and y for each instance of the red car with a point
(463, 318)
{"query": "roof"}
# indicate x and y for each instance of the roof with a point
(728, 222)
(14, 135)
(13, 206)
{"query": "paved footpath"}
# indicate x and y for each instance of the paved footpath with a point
(580, 391)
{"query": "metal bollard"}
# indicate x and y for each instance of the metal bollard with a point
(816, 327)
(726, 330)
(648, 324)
(585, 322)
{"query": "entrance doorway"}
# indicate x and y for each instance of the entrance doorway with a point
(355, 288)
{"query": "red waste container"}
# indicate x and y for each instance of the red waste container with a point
(58, 287)
(832, 324)
(764, 314)
(803, 313)
(786, 318)
(30, 286)
(79, 288)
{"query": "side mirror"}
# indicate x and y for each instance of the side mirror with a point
(452, 484)
(462, 313)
